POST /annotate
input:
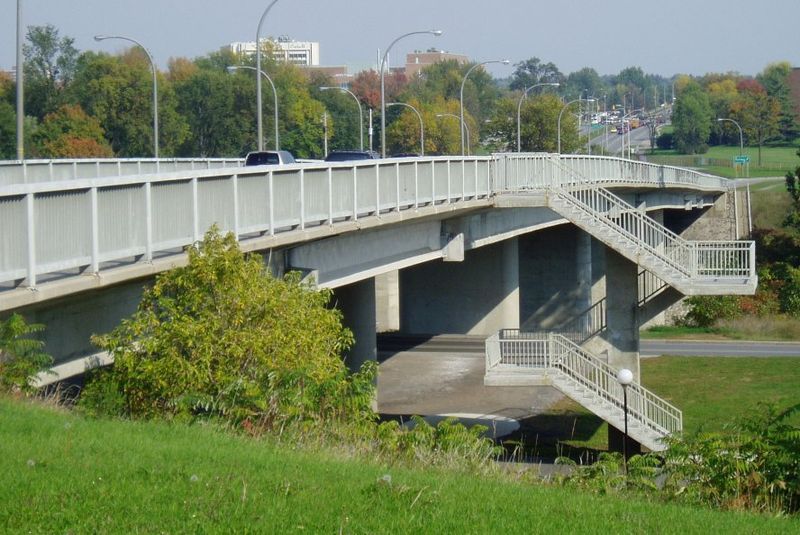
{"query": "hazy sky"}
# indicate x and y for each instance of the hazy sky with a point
(662, 37)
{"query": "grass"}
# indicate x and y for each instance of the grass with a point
(770, 202)
(775, 160)
(62, 473)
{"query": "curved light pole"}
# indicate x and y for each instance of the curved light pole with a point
(562, 112)
(421, 126)
(436, 33)
(232, 68)
(741, 136)
(360, 112)
(454, 116)
(461, 93)
(519, 109)
(155, 83)
(258, 82)
(625, 378)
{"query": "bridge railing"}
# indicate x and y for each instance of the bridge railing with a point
(84, 224)
(517, 171)
(34, 171)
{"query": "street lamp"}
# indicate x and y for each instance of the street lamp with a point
(20, 90)
(155, 83)
(562, 112)
(360, 112)
(457, 119)
(232, 68)
(258, 82)
(436, 33)
(625, 378)
(421, 127)
(741, 136)
(461, 94)
(519, 109)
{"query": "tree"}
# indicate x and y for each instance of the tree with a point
(50, 62)
(8, 131)
(21, 354)
(539, 124)
(691, 117)
(222, 337)
(775, 80)
(757, 113)
(722, 93)
(793, 187)
(70, 133)
(582, 83)
(533, 71)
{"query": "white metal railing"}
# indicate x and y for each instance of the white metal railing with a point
(556, 355)
(691, 259)
(58, 221)
(32, 171)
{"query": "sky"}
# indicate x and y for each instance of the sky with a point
(661, 37)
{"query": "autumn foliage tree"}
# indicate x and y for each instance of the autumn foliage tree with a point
(70, 133)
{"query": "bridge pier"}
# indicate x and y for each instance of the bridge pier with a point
(479, 295)
(357, 303)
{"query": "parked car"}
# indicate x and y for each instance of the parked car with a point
(269, 157)
(348, 155)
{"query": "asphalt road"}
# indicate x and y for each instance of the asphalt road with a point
(648, 348)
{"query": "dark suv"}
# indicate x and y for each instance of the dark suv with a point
(348, 155)
(269, 157)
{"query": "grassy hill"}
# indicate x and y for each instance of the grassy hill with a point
(65, 474)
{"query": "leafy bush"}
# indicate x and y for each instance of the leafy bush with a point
(705, 310)
(755, 465)
(665, 140)
(21, 356)
(223, 337)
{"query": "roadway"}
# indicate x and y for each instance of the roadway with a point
(648, 348)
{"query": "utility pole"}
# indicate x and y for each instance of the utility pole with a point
(325, 133)
(20, 100)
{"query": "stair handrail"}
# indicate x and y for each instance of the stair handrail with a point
(591, 373)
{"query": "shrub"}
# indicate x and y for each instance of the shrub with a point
(21, 356)
(705, 310)
(223, 337)
(665, 141)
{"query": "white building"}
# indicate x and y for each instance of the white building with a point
(284, 49)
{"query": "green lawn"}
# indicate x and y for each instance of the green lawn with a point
(65, 474)
(775, 160)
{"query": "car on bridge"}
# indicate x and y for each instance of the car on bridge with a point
(269, 157)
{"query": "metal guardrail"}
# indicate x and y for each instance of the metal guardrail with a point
(556, 355)
(34, 171)
(61, 220)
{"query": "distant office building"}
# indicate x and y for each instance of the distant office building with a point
(284, 49)
(417, 60)
(337, 73)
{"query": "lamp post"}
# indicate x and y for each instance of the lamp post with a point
(562, 112)
(457, 119)
(625, 378)
(461, 93)
(155, 82)
(360, 112)
(519, 109)
(232, 68)
(741, 136)
(20, 90)
(421, 126)
(258, 81)
(436, 33)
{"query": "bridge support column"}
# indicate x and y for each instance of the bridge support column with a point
(387, 296)
(357, 303)
(622, 331)
(477, 296)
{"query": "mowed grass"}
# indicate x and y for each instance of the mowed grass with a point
(775, 160)
(770, 203)
(65, 474)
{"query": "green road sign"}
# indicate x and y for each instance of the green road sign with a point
(742, 159)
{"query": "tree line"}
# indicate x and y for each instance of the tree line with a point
(762, 106)
(90, 104)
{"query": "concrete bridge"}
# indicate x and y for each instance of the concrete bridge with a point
(585, 247)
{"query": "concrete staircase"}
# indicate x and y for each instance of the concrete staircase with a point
(691, 267)
(514, 358)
